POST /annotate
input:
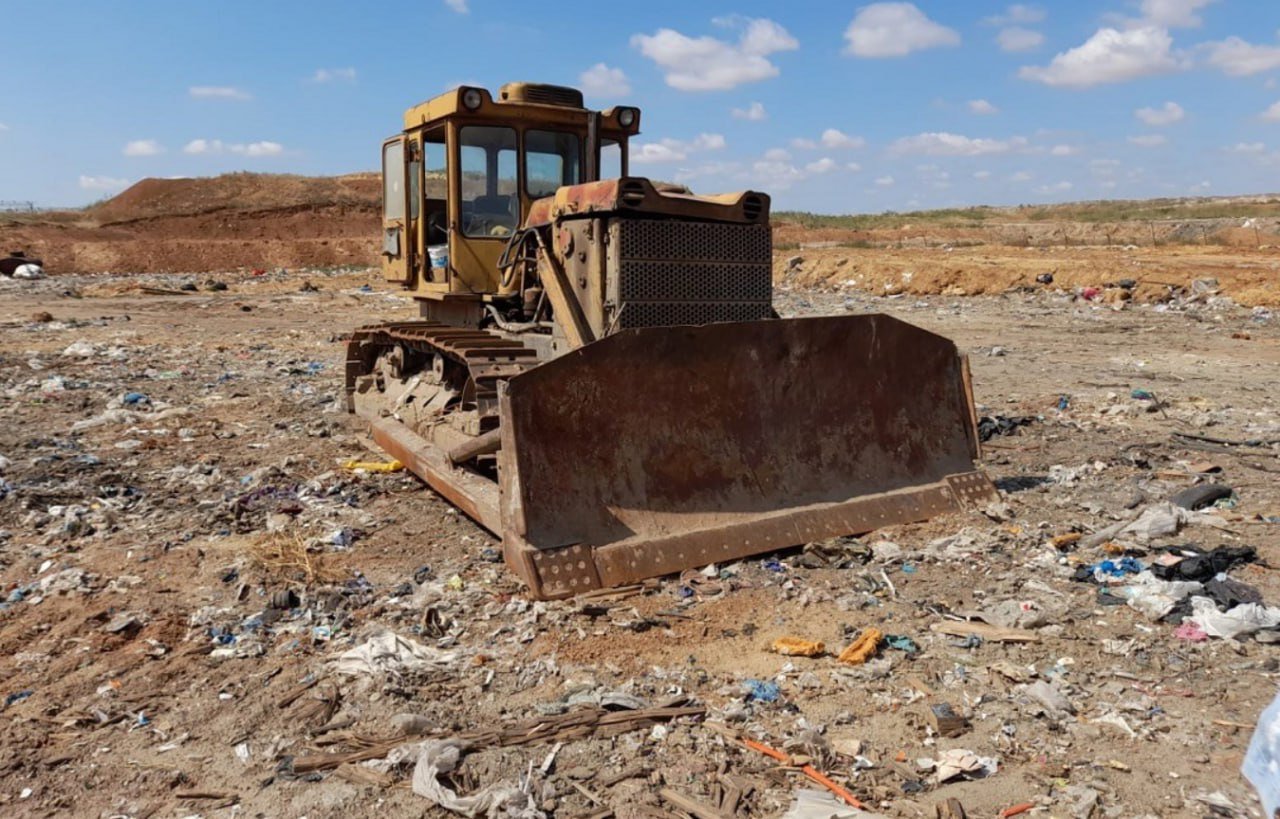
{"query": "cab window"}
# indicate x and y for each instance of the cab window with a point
(552, 160)
(610, 159)
(490, 204)
(393, 181)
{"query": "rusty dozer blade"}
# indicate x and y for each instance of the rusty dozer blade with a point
(656, 450)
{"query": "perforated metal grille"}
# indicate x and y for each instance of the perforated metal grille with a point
(693, 273)
(693, 281)
(694, 241)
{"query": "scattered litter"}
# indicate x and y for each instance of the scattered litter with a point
(389, 653)
(442, 757)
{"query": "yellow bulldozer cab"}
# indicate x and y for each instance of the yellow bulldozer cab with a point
(479, 164)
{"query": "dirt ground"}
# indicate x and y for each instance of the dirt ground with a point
(183, 558)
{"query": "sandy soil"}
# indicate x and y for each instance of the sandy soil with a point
(135, 561)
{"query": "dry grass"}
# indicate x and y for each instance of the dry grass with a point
(284, 555)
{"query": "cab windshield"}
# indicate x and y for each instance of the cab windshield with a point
(552, 160)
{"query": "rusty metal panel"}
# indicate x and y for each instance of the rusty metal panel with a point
(656, 433)
(552, 573)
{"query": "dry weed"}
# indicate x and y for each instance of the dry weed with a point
(284, 555)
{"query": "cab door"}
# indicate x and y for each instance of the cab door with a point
(397, 235)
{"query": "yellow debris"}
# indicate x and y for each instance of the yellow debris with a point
(798, 647)
(373, 466)
(861, 649)
(1061, 542)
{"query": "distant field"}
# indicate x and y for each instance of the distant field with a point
(1102, 211)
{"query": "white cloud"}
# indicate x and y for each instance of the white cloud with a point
(1272, 114)
(143, 147)
(259, 149)
(708, 64)
(1109, 56)
(1239, 58)
(831, 138)
(777, 155)
(820, 166)
(1064, 150)
(223, 92)
(1016, 38)
(675, 150)
(1020, 176)
(1060, 187)
(1018, 14)
(1201, 186)
(327, 75)
(885, 181)
(776, 175)
(853, 166)
(982, 175)
(753, 113)
(1248, 148)
(217, 146)
(1174, 13)
(895, 30)
(982, 107)
(945, 144)
(602, 81)
(1148, 140)
(460, 6)
(102, 183)
(1167, 114)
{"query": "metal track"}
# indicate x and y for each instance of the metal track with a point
(488, 356)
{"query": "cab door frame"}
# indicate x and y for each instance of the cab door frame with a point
(398, 241)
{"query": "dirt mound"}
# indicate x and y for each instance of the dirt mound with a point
(238, 220)
(237, 191)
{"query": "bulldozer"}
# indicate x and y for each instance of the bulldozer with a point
(598, 375)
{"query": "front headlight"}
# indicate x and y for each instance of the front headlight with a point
(627, 117)
(471, 99)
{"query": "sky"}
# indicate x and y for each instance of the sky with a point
(830, 107)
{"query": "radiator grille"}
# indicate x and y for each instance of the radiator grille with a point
(672, 273)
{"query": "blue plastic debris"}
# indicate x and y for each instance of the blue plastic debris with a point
(17, 696)
(1262, 762)
(1142, 395)
(774, 566)
(685, 592)
(1119, 568)
(134, 398)
(1064, 402)
(908, 568)
(901, 642)
(761, 690)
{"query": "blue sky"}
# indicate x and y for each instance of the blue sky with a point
(832, 107)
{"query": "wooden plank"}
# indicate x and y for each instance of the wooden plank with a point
(691, 806)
